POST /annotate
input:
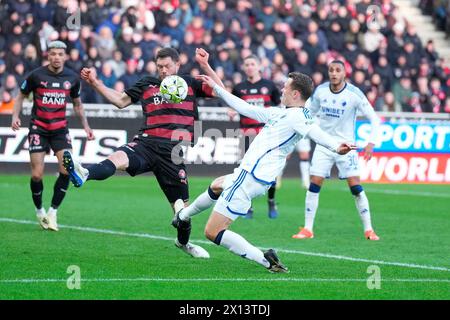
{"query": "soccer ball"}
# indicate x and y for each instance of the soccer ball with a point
(174, 89)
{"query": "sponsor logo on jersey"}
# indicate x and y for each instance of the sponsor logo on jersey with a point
(244, 91)
(44, 83)
(332, 112)
(253, 91)
(67, 85)
(55, 84)
(54, 98)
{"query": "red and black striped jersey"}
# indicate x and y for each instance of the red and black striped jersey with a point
(50, 96)
(172, 122)
(261, 94)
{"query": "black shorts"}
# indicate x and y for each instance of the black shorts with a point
(42, 142)
(147, 155)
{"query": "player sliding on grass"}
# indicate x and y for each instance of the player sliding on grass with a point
(262, 163)
(165, 125)
(336, 103)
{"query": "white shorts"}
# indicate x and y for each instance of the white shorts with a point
(239, 189)
(304, 145)
(324, 159)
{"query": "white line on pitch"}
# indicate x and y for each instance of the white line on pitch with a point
(411, 193)
(306, 253)
(412, 280)
(400, 192)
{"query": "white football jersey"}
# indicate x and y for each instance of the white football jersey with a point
(284, 127)
(336, 112)
(266, 156)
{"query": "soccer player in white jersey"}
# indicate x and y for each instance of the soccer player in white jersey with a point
(262, 163)
(336, 103)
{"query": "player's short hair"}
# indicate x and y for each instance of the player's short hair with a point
(57, 45)
(168, 52)
(338, 62)
(252, 56)
(303, 83)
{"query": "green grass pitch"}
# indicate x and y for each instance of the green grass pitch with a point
(118, 233)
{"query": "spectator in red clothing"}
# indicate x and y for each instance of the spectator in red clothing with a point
(197, 29)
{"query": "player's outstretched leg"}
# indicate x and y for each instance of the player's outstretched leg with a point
(275, 263)
(99, 171)
(184, 232)
(204, 201)
(77, 174)
(216, 231)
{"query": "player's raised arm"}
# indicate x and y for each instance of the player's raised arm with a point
(241, 106)
(306, 127)
(119, 99)
(202, 56)
(321, 137)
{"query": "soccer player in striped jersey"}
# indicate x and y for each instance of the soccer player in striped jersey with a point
(52, 86)
(260, 93)
(263, 162)
(165, 126)
(337, 103)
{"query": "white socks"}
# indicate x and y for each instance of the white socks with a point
(311, 205)
(304, 171)
(52, 212)
(238, 245)
(201, 203)
(362, 204)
